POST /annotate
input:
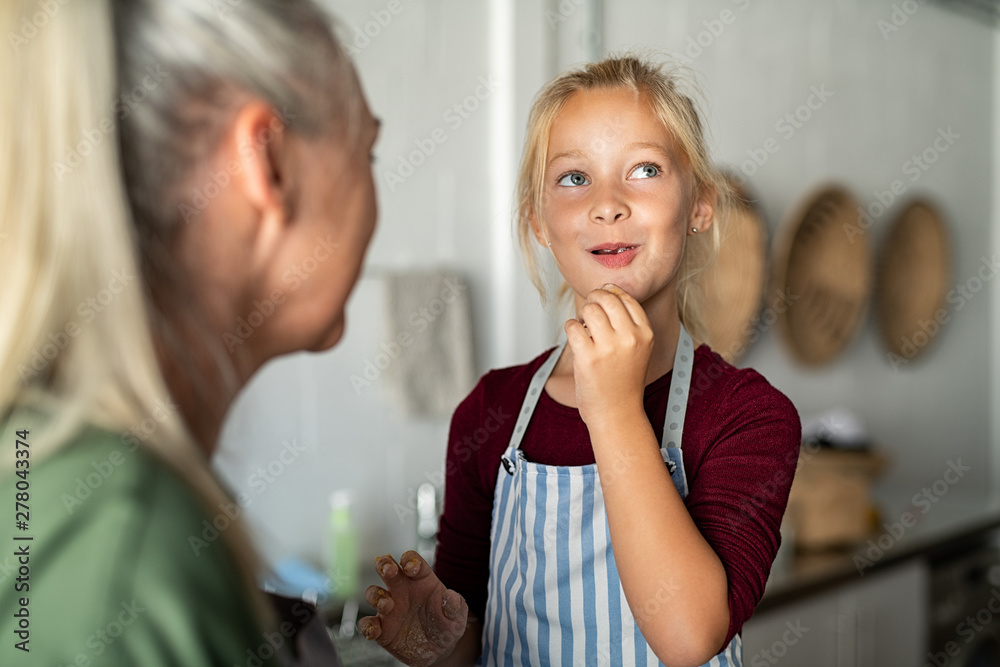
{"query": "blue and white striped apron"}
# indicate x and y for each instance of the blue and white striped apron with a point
(554, 593)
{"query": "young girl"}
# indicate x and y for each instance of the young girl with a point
(597, 511)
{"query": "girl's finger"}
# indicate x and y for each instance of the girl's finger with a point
(633, 307)
(576, 336)
(618, 315)
(592, 314)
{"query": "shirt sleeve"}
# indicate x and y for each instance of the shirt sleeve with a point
(463, 549)
(739, 495)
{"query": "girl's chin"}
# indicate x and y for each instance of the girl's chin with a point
(613, 287)
(626, 286)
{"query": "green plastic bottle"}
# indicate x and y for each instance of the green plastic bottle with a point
(343, 565)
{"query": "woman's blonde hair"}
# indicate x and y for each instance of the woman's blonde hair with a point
(106, 107)
(677, 111)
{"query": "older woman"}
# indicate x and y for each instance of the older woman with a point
(164, 164)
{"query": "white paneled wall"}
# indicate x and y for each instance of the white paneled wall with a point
(890, 96)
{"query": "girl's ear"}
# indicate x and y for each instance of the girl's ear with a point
(536, 229)
(703, 211)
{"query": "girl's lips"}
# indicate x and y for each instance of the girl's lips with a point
(614, 256)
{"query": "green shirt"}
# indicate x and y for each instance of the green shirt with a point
(124, 566)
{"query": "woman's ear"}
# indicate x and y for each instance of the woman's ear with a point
(703, 211)
(265, 173)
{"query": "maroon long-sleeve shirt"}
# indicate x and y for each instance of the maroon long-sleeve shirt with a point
(741, 443)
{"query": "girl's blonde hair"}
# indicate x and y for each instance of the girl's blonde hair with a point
(677, 111)
(106, 107)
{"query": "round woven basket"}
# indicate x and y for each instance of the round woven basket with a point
(822, 269)
(914, 270)
(734, 284)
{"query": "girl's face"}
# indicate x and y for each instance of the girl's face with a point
(617, 198)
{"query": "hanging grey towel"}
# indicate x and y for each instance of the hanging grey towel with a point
(429, 320)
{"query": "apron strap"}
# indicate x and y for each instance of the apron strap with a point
(680, 383)
(673, 424)
(535, 389)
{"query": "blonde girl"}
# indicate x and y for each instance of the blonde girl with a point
(611, 516)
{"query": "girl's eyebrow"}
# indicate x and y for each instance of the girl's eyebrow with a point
(637, 145)
(570, 153)
(648, 144)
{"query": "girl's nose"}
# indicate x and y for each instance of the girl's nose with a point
(608, 208)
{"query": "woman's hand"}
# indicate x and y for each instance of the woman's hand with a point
(610, 356)
(418, 620)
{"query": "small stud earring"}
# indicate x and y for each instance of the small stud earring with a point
(694, 230)
(548, 243)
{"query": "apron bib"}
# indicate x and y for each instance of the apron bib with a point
(554, 593)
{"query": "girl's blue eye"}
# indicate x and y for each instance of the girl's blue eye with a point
(647, 170)
(573, 179)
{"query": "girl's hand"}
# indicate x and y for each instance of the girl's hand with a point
(418, 620)
(610, 356)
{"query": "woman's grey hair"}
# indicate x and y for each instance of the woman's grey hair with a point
(184, 68)
(183, 64)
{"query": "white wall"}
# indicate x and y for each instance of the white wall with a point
(890, 97)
